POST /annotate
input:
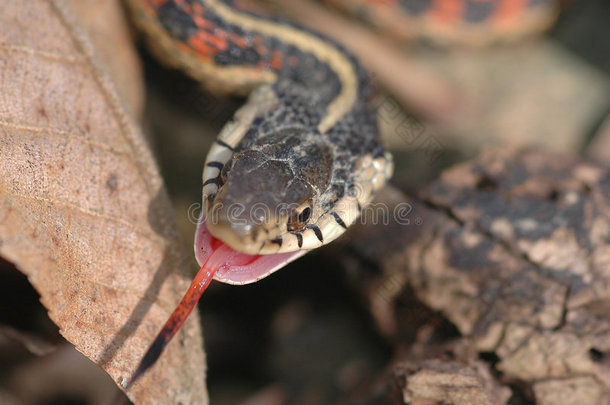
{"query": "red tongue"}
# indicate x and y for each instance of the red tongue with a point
(235, 267)
(227, 265)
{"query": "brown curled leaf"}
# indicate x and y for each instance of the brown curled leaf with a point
(83, 210)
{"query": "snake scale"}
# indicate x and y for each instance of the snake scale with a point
(294, 167)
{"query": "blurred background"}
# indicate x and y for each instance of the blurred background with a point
(308, 334)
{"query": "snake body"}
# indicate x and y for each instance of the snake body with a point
(454, 22)
(296, 164)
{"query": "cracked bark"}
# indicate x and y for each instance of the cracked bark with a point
(513, 250)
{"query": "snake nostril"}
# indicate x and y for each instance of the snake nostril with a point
(304, 215)
(298, 220)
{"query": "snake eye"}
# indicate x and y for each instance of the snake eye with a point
(298, 220)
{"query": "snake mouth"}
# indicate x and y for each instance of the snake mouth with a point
(235, 267)
(245, 238)
(245, 227)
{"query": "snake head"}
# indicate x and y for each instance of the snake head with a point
(268, 192)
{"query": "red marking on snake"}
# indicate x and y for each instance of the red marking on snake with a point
(508, 11)
(447, 11)
(237, 40)
(201, 22)
(201, 46)
(276, 60)
(383, 1)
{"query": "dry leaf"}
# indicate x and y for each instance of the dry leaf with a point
(106, 26)
(83, 210)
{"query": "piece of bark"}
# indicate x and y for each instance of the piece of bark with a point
(83, 210)
(385, 230)
(449, 382)
(514, 250)
(531, 246)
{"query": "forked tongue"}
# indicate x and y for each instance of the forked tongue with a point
(238, 268)
(218, 261)
(200, 283)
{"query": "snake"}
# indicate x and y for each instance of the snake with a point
(470, 23)
(294, 167)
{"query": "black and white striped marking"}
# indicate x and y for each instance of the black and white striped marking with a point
(213, 180)
(224, 145)
(299, 239)
(218, 165)
(317, 231)
(339, 220)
